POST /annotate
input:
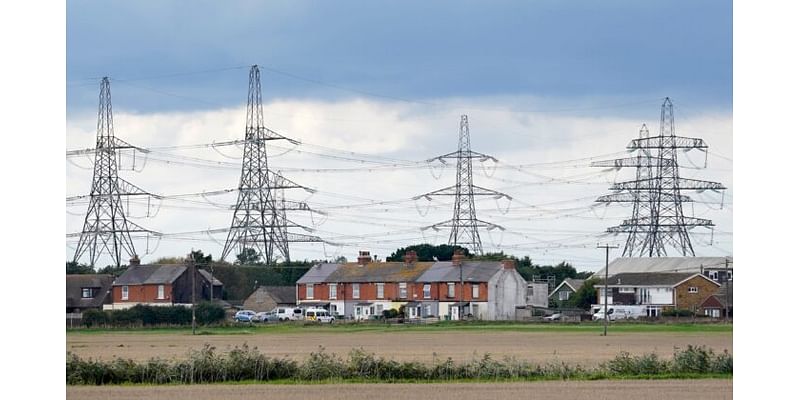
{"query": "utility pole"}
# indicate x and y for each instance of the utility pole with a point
(605, 289)
(193, 270)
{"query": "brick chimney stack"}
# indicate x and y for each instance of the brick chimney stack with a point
(458, 257)
(509, 264)
(134, 261)
(410, 258)
(363, 257)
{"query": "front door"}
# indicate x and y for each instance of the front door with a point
(454, 315)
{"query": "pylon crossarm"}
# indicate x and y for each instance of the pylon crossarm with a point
(466, 154)
(679, 183)
(634, 196)
(128, 189)
(656, 142)
(638, 162)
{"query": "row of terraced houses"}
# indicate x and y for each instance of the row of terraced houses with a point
(490, 290)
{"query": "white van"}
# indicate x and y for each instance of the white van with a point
(320, 315)
(289, 313)
(616, 312)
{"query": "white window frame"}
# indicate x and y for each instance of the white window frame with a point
(692, 289)
(356, 291)
(451, 290)
(379, 289)
(160, 293)
(402, 289)
(84, 292)
(309, 290)
(125, 292)
(426, 290)
(627, 290)
(332, 291)
(476, 291)
(563, 295)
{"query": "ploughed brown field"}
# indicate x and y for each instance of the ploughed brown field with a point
(707, 389)
(587, 349)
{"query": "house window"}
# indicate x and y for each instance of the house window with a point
(379, 287)
(86, 293)
(426, 290)
(331, 290)
(160, 292)
(476, 291)
(428, 310)
(627, 290)
(124, 293)
(356, 291)
(309, 291)
(563, 295)
(403, 291)
(451, 289)
(692, 289)
(713, 275)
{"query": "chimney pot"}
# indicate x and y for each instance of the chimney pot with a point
(134, 261)
(410, 258)
(509, 264)
(363, 257)
(458, 257)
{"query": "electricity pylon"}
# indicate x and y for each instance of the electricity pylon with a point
(105, 228)
(658, 219)
(464, 224)
(256, 223)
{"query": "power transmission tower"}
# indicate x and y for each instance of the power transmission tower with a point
(105, 228)
(658, 219)
(280, 228)
(256, 223)
(464, 224)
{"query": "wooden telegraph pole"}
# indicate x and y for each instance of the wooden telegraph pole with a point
(605, 289)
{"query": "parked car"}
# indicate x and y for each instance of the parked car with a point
(289, 313)
(320, 315)
(264, 316)
(244, 315)
(553, 317)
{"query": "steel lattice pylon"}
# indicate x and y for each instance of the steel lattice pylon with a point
(464, 224)
(105, 228)
(258, 221)
(658, 219)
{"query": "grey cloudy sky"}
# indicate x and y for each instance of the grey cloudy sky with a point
(542, 82)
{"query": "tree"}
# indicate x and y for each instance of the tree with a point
(200, 260)
(342, 260)
(74, 268)
(428, 252)
(113, 270)
(248, 256)
(586, 295)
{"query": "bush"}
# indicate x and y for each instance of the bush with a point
(209, 313)
(142, 315)
(94, 317)
(390, 313)
(247, 364)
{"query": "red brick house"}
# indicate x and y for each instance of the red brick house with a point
(162, 285)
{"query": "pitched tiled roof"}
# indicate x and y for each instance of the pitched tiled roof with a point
(445, 271)
(662, 264)
(75, 283)
(207, 275)
(378, 272)
(281, 294)
(150, 274)
(647, 279)
(440, 271)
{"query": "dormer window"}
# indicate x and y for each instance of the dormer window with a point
(87, 293)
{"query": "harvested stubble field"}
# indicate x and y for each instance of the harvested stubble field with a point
(707, 389)
(539, 345)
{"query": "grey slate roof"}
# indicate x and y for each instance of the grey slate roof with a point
(318, 273)
(662, 264)
(440, 271)
(150, 275)
(281, 294)
(477, 271)
(75, 284)
(647, 279)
